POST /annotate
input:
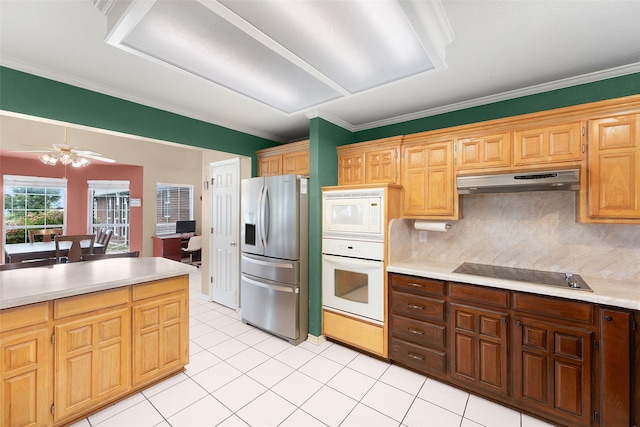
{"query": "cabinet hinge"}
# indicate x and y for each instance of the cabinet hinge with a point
(584, 131)
(211, 230)
(53, 338)
(595, 344)
(212, 179)
(596, 415)
(633, 324)
(211, 279)
(53, 409)
(584, 148)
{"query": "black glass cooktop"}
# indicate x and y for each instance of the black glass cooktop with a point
(564, 280)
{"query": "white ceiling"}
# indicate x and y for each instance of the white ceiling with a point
(501, 50)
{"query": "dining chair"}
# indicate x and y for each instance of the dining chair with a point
(103, 238)
(27, 264)
(194, 245)
(75, 251)
(47, 234)
(95, 256)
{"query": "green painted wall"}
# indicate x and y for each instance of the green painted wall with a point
(36, 96)
(581, 94)
(324, 137)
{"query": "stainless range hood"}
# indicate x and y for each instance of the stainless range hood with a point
(567, 179)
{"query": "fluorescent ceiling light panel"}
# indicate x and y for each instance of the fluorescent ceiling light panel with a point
(289, 54)
(190, 36)
(359, 44)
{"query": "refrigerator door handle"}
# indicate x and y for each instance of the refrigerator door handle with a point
(260, 219)
(290, 290)
(268, 263)
(266, 219)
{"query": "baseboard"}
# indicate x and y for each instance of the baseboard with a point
(316, 340)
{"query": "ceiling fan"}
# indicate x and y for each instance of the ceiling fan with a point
(66, 155)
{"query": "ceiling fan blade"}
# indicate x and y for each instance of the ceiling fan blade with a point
(95, 156)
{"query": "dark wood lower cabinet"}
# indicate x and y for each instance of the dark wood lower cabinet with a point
(553, 370)
(479, 348)
(615, 373)
(569, 362)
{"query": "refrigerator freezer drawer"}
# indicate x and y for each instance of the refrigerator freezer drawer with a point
(271, 306)
(274, 269)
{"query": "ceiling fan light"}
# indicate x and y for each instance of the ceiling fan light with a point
(80, 162)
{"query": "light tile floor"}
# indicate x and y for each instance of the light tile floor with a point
(241, 376)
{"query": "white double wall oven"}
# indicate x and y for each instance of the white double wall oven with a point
(353, 253)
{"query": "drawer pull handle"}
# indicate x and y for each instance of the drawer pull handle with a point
(415, 331)
(416, 307)
(415, 356)
(415, 285)
(608, 318)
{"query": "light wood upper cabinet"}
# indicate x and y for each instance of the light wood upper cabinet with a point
(284, 159)
(351, 168)
(549, 144)
(483, 151)
(270, 165)
(427, 179)
(614, 167)
(370, 162)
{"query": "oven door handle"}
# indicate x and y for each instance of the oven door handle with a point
(351, 262)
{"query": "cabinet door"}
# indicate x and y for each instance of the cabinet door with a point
(26, 377)
(483, 151)
(428, 180)
(160, 328)
(551, 144)
(382, 166)
(296, 162)
(92, 361)
(553, 370)
(351, 168)
(270, 165)
(479, 348)
(615, 367)
(614, 167)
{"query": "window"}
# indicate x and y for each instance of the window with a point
(174, 202)
(32, 203)
(109, 208)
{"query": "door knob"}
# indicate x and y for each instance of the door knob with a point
(233, 243)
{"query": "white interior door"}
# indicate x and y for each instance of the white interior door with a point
(225, 219)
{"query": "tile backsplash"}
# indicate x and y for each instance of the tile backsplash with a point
(535, 230)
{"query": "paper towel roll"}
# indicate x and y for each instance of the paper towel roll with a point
(431, 225)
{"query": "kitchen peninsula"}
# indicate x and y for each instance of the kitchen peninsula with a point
(76, 337)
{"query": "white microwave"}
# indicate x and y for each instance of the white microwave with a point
(353, 214)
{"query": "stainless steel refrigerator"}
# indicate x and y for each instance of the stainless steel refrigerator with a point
(274, 285)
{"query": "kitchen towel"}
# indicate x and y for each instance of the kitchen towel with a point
(431, 225)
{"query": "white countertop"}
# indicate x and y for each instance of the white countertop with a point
(608, 292)
(37, 284)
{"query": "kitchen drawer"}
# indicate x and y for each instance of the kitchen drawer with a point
(562, 309)
(423, 359)
(416, 331)
(417, 284)
(417, 306)
(26, 315)
(89, 303)
(160, 287)
(479, 294)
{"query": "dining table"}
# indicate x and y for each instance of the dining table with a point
(18, 252)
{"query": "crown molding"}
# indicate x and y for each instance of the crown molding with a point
(504, 96)
(330, 118)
